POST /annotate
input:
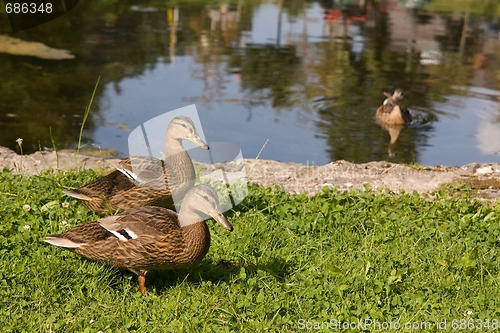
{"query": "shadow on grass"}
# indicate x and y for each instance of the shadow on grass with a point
(216, 272)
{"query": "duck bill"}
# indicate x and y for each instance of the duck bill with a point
(221, 219)
(199, 142)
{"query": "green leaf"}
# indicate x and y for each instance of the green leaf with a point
(51, 205)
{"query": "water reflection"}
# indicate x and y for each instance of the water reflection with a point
(308, 75)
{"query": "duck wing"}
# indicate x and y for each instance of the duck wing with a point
(142, 169)
(144, 222)
(148, 238)
(84, 234)
(106, 186)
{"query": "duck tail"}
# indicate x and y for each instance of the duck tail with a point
(58, 240)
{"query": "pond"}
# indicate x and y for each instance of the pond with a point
(295, 81)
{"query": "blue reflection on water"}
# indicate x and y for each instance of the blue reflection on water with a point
(466, 130)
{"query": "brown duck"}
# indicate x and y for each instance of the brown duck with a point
(393, 111)
(149, 238)
(144, 181)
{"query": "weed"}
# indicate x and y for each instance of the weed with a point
(84, 120)
(19, 142)
(258, 156)
(54, 147)
(417, 166)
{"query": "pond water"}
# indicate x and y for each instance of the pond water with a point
(305, 77)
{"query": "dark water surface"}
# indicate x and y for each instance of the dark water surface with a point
(306, 75)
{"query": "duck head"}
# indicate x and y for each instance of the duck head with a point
(182, 128)
(202, 201)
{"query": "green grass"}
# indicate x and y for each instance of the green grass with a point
(335, 256)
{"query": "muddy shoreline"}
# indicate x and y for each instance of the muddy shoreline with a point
(484, 178)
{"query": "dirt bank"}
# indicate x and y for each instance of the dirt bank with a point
(296, 178)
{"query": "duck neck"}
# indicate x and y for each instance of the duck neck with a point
(196, 242)
(173, 146)
(188, 217)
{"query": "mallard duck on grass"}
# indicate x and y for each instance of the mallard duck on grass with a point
(144, 181)
(393, 111)
(149, 238)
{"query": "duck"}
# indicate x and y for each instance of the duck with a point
(393, 111)
(146, 181)
(149, 238)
